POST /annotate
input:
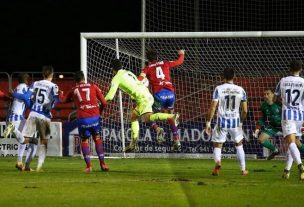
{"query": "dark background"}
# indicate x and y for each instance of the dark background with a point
(35, 33)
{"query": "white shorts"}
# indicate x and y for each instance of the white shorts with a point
(18, 124)
(220, 134)
(291, 127)
(30, 127)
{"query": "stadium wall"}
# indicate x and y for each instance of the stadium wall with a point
(9, 146)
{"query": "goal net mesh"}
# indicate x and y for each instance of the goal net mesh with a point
(259, 65)
(219, 15)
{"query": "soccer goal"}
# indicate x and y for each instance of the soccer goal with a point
(259, 58)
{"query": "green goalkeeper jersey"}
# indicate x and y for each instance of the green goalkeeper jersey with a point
(128, 83)
(271, 115)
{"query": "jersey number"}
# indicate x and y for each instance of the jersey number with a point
(159, 73)
(230, 102)
(40, 95)
(292, 96)
(87, 94)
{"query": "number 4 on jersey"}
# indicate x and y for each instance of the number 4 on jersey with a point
(159, 73)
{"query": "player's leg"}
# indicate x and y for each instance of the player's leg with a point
(295, 153)
(134, 130)
(144, 109)
(237, 136)
(30, 154)
(168, 107)
(28, 131)
(289, 160)
(291, 129)
(96, 129)
(263, 139)
(19, 125)
(85, 149)
(217, 153)
(241, 157)
(172, 118)
(163, 117)
(161, 101)
(8, 129)
(43, 127)
(100, 152)
(288, 165)
(299, 125)
(21, 146)
(21, 149)
(218, 138)
(160, 132)
(85, 134)
(176, 139)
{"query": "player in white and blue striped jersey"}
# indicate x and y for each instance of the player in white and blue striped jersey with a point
(45, 96)
(16, 117)
(227, 99)
(291, 91)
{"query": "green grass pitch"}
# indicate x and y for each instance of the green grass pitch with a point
(149, 182)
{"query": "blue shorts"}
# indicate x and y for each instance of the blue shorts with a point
(164, 99)
(89, 126)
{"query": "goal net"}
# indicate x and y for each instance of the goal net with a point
(260, 60)
(219, 15)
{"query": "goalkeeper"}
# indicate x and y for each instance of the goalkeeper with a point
(128, 83)
(270, 124)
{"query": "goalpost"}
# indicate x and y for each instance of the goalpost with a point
(259, 58)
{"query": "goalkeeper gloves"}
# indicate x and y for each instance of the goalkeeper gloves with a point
(256, 133)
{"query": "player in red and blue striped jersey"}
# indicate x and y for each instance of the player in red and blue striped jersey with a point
(158, 74)
(86, 97)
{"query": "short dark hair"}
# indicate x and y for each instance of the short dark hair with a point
(79, 76)
(47, 70)
(23, 78)
(151, 54)
(295, 65)
(116, 64)
(228, 74)
(269, 89)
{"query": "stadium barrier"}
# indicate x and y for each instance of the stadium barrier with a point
(195, 143)
(9, 146)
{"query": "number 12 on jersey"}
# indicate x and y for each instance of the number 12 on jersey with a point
(292, 96)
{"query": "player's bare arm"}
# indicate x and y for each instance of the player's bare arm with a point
(244, 110)
(179, 60)
(210, 115)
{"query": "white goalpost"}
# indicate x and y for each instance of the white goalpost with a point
(259, 58)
